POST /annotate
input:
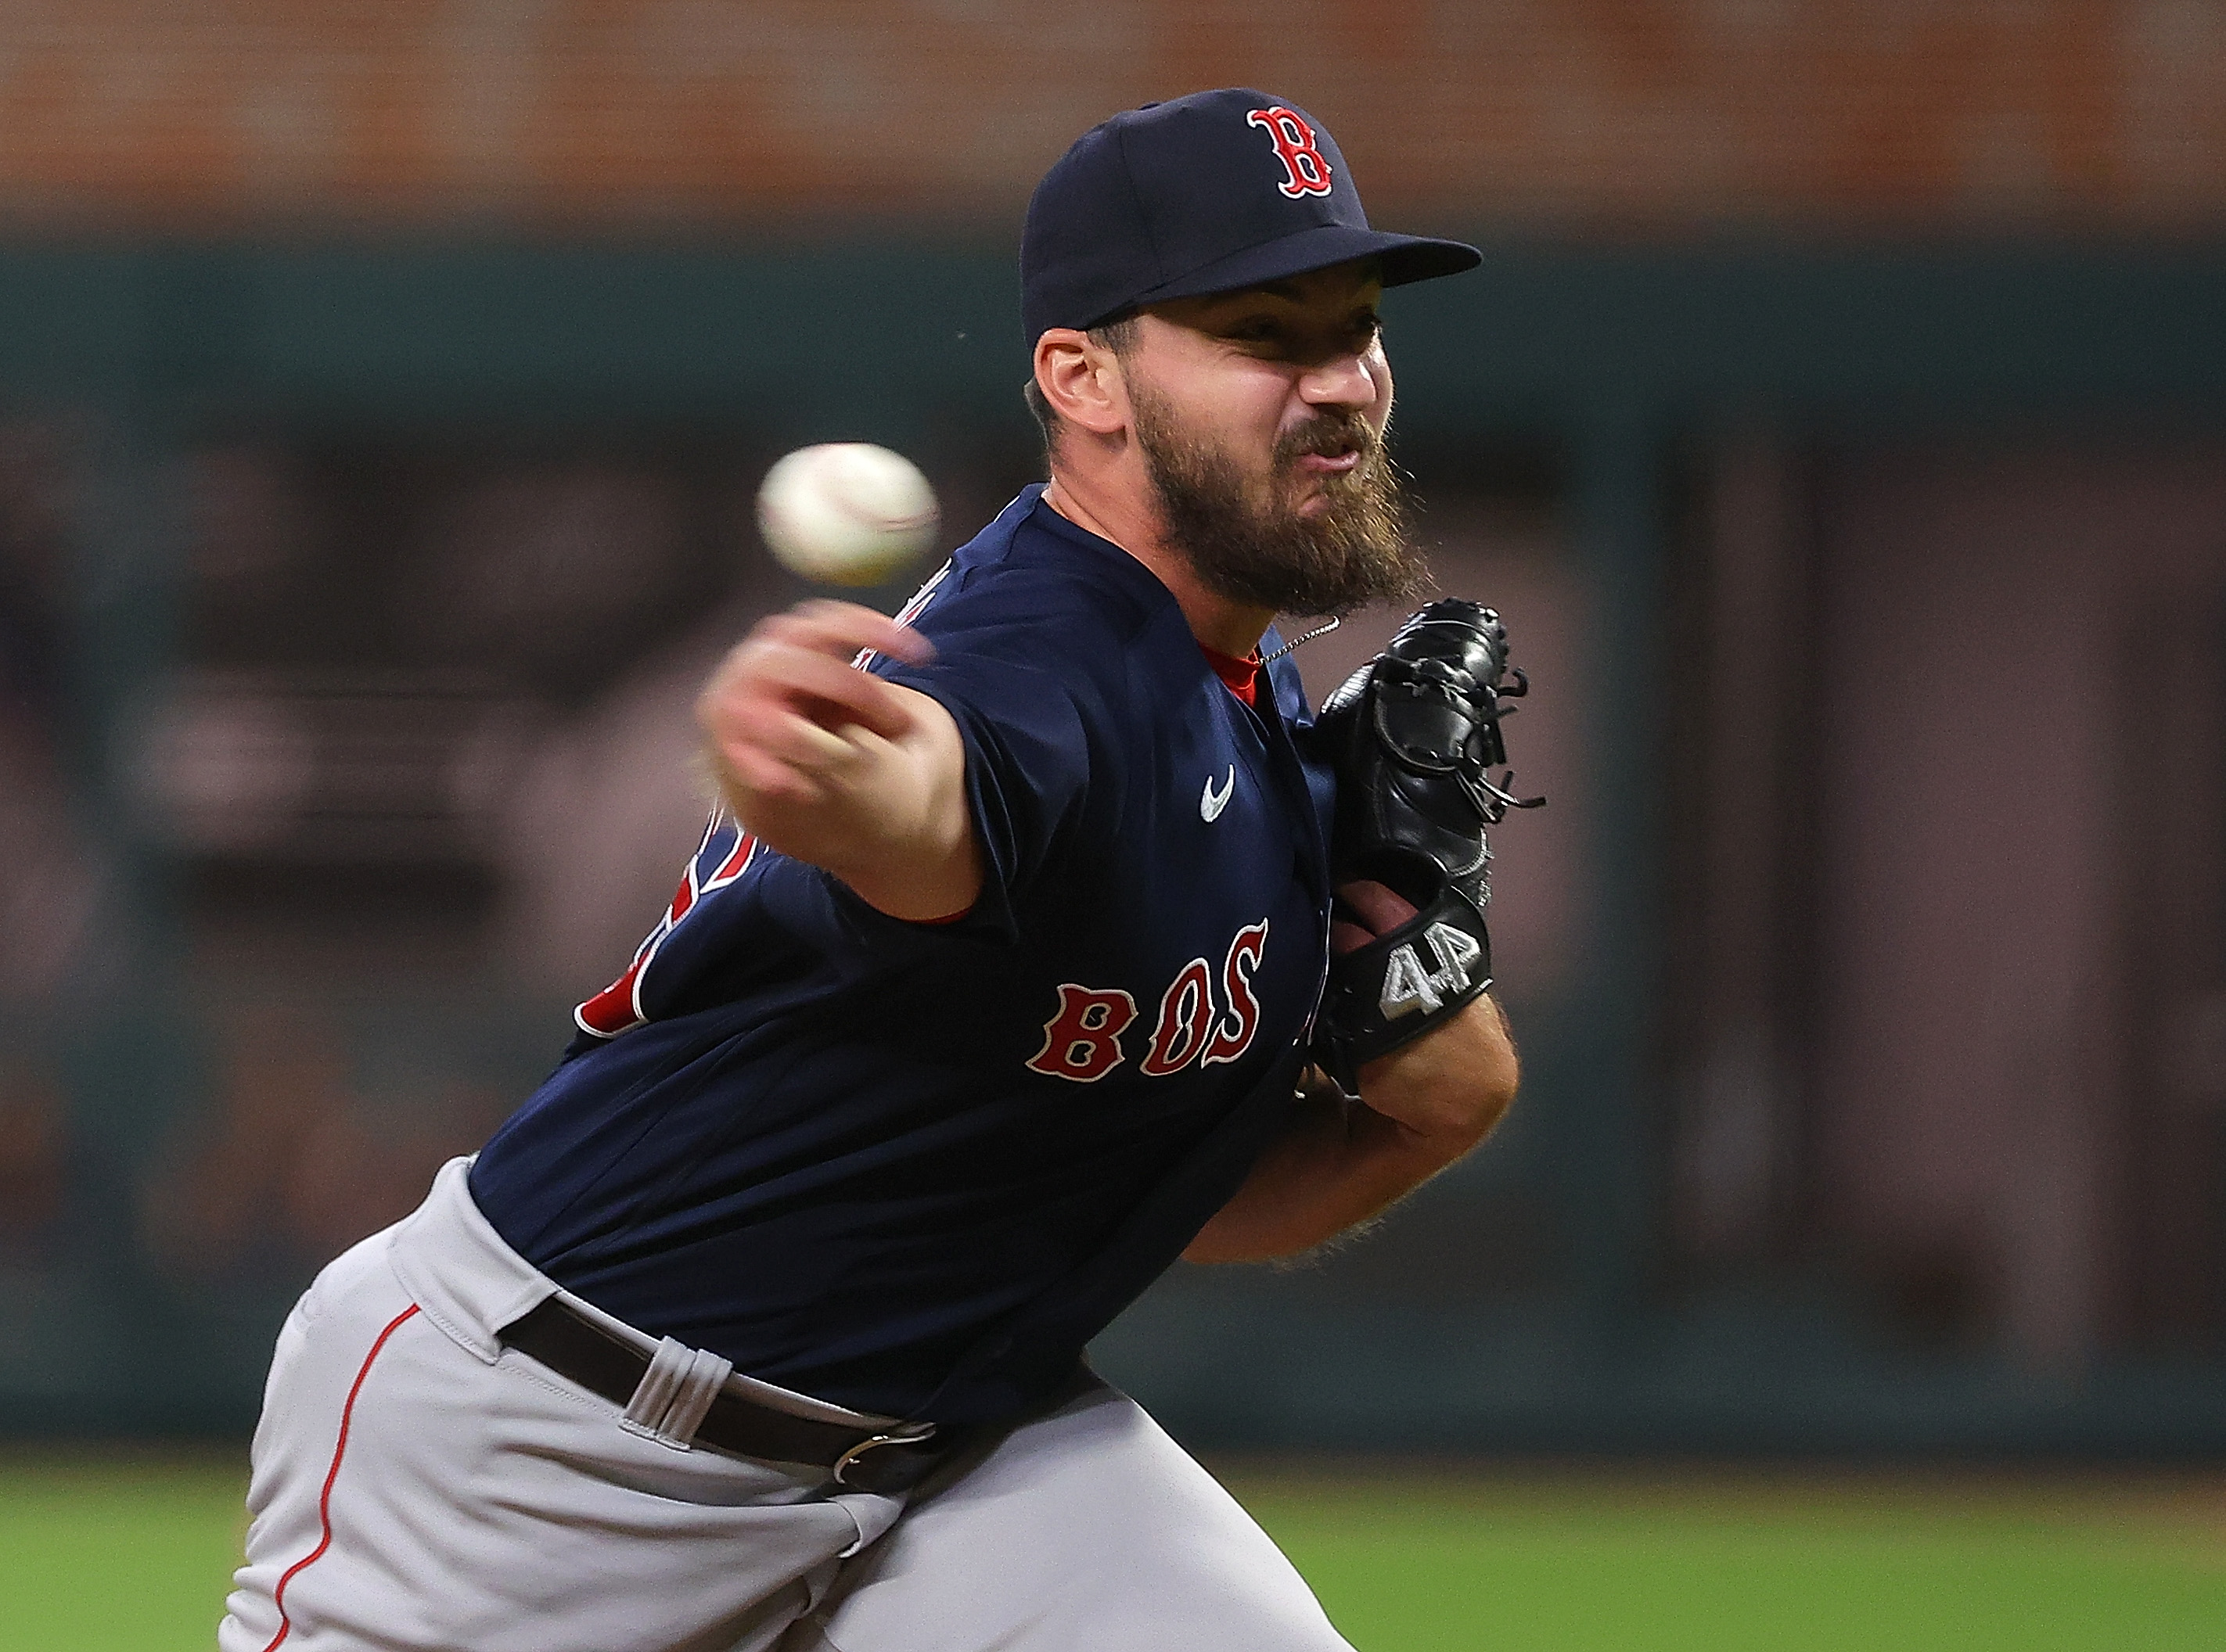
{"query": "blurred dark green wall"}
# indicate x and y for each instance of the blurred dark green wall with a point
(1601, 359)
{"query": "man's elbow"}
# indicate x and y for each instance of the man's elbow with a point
(1490, 1101)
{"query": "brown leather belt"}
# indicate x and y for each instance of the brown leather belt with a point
(585, 1353)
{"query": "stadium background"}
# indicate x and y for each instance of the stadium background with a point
(1839, 417)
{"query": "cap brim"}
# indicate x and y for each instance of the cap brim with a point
(1405, 258)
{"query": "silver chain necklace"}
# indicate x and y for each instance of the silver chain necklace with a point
(1318, 631)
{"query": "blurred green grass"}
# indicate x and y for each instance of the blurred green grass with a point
(1583, 1563)
(117, 1553)
(123, 1554)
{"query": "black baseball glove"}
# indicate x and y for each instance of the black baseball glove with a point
(1413, 735)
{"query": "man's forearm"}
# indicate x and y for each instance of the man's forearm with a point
(1341, 1162)
(1338, 1164)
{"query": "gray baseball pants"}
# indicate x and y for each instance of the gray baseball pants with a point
(418, 1485)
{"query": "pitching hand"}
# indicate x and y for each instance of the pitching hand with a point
(841, 768)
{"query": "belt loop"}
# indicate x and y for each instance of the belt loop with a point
(674, 1392)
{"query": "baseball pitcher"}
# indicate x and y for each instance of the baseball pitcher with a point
(1044, 936)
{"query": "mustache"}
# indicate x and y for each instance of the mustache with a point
(1328, 434)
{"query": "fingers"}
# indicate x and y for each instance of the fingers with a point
(833, 633)
(1369, 908)
(809, 746)
(797, 664)
(790, 768)
(843, 629)
(1345, 938)
(774, 678)
(762, 776)
(790, 718)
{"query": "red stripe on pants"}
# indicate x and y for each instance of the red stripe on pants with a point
(324, 1498)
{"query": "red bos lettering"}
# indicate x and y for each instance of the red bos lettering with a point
(1201, 1019)
(1186, 1019)
(1083, 1041)
(1241, 1020)
(1306, 172)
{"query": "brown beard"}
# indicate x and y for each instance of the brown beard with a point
(1351, 554)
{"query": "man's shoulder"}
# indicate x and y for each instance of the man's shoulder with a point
(1032, 587)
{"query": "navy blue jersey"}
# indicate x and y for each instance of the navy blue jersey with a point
(912, 1168)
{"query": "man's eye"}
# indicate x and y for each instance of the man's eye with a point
(1258, 332)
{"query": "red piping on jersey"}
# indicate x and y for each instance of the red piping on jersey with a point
(1242, 676)
(324, 1498)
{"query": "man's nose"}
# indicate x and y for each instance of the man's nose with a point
(1342, 381)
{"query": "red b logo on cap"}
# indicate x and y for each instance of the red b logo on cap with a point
(1294, 147)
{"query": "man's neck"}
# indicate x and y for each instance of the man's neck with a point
(1227, 627)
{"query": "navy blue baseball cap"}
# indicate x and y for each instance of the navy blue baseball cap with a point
(1203, 194)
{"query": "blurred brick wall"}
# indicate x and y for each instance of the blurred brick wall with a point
(1614, 113)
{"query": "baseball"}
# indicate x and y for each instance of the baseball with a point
(846, 512)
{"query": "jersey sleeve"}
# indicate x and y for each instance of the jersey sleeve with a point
(1029, 757)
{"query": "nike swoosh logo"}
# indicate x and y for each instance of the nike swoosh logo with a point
(1211, 803)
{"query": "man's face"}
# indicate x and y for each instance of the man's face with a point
(1259, 415)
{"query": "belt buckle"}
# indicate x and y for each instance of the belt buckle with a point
(844, 1463)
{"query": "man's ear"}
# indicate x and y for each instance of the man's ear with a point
(1082, 382)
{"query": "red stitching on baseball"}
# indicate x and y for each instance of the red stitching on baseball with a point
(324, 1498)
